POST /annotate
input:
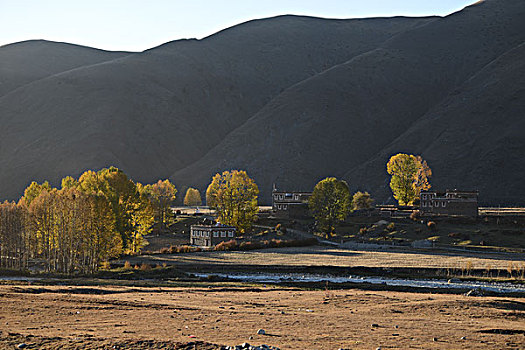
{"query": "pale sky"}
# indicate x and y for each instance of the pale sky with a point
(136, 25)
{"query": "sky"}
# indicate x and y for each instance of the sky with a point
(136, 25)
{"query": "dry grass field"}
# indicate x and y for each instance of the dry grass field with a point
(67, 317)
(326, 256)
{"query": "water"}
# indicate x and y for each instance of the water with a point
(299, 277)
(421, 283)
(19, 278)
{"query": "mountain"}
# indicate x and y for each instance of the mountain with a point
(290, 99)
(473, 138)
(154, 112)
(450, 90)
(28, 61)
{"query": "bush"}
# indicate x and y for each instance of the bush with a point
(363, 231)
(431, 225)
(127, 265)
(415, 215)
(145, 267)
(227, 245)
(391, 227)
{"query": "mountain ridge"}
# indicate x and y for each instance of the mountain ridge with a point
(290, 99)
(267, 182)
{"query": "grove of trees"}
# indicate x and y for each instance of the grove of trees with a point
(330, 203)
(409, 177)
(84, 223)
(161, 196)
(234, 197)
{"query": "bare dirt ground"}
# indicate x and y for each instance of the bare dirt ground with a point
(112, 317)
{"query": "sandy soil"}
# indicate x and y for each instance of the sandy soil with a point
(151, 317)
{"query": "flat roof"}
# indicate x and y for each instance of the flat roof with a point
(213, 226)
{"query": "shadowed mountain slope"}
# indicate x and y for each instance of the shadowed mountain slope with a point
(154, 112)
(473, 139)
(336, 121)
(24, 62)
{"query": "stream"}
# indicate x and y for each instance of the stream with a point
(420, 283)
(496, 287)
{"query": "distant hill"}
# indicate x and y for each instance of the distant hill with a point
(289, 99)
(25, 62)
(154, 112)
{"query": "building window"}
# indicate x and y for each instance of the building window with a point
(223, 233)
(230, 233)
(285, 207)
(296, 197)
(423, 204)
(215, 234)
(443, 204)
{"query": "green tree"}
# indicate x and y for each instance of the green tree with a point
(330, 203)
(192, 197)
(362, 200)
(234, 197)
(409, 176)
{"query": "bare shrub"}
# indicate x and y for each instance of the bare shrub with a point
(145, 267)
(227, 245)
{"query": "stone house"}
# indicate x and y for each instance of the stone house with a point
(290, 204)
(211, 235)
(450, 202)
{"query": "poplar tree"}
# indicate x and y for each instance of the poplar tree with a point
(192, 197)
(409, 177)
(330, 203)
(234, 197)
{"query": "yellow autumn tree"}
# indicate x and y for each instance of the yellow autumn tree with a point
(234, 197)
(192, 197)
(409, 177)
(161, 196)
